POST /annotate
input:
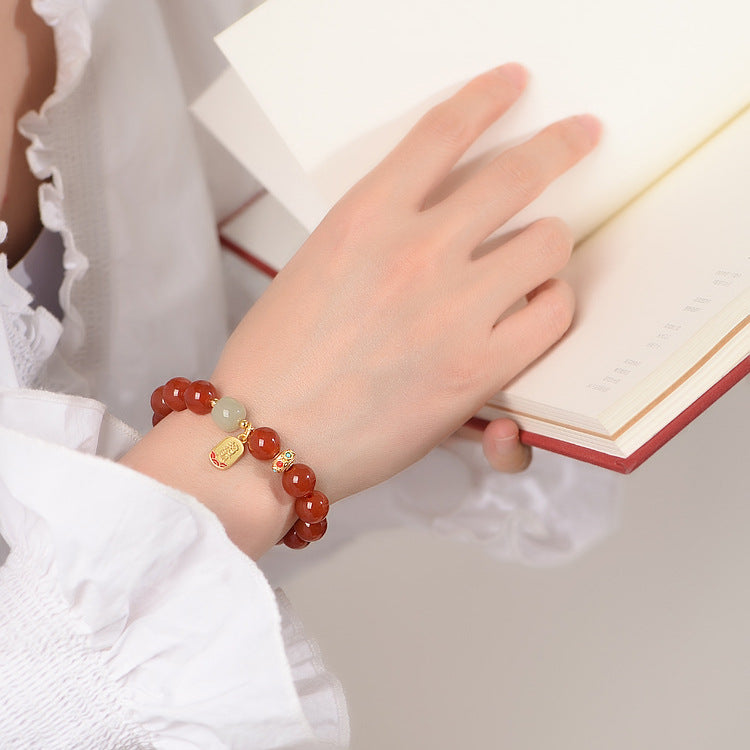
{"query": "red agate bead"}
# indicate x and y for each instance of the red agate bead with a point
(198, 396)
(312, 508)
(174, 393)
(310, 532)
(155, 419)
(158, 404)
(264, 443)
(293, 541)
(298, 480)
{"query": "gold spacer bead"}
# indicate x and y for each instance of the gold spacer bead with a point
(282, 461)
(246, 428)
(213, 402)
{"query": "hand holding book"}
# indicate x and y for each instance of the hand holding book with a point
(387, 331)
(663, 324)
(383, 329)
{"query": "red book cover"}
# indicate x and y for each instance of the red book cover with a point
(242, 252)
(634, 460)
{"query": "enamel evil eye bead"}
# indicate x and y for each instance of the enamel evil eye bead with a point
(227, 412)
(283, 461)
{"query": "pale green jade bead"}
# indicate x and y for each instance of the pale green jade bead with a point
(227, 413)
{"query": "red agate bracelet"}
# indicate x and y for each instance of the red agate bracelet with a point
(201, 397)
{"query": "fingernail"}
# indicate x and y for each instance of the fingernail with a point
(515, 74)
(592, 125)
(506, 444)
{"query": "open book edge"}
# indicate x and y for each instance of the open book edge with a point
(665, 292)
(627, 464)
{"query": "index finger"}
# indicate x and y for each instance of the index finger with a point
(423, 159)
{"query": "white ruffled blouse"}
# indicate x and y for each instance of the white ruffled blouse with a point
(127, 617)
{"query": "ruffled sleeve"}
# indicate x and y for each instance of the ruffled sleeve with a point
(128, 618)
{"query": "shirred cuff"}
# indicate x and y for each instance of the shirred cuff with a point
(183, 624)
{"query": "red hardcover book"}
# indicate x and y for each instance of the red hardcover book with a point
(625, 465)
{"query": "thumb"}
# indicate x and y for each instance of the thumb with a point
(502, 447)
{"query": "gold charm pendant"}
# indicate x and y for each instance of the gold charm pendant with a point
(230, 449)
(227, 452)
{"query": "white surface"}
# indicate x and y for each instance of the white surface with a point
(342, 80)
(643, 643)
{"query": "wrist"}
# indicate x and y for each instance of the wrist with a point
(306, 413)
(253, 508)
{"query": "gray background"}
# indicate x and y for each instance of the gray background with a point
(644, 642)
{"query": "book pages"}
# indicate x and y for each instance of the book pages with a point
(234, 118)
(659, 287)
(340, 82)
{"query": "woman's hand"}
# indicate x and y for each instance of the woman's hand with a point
(381, 336)
(385, 333)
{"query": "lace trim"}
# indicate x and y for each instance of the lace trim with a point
(31, 335)
(72, 32)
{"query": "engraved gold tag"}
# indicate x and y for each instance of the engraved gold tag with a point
(227, 452)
